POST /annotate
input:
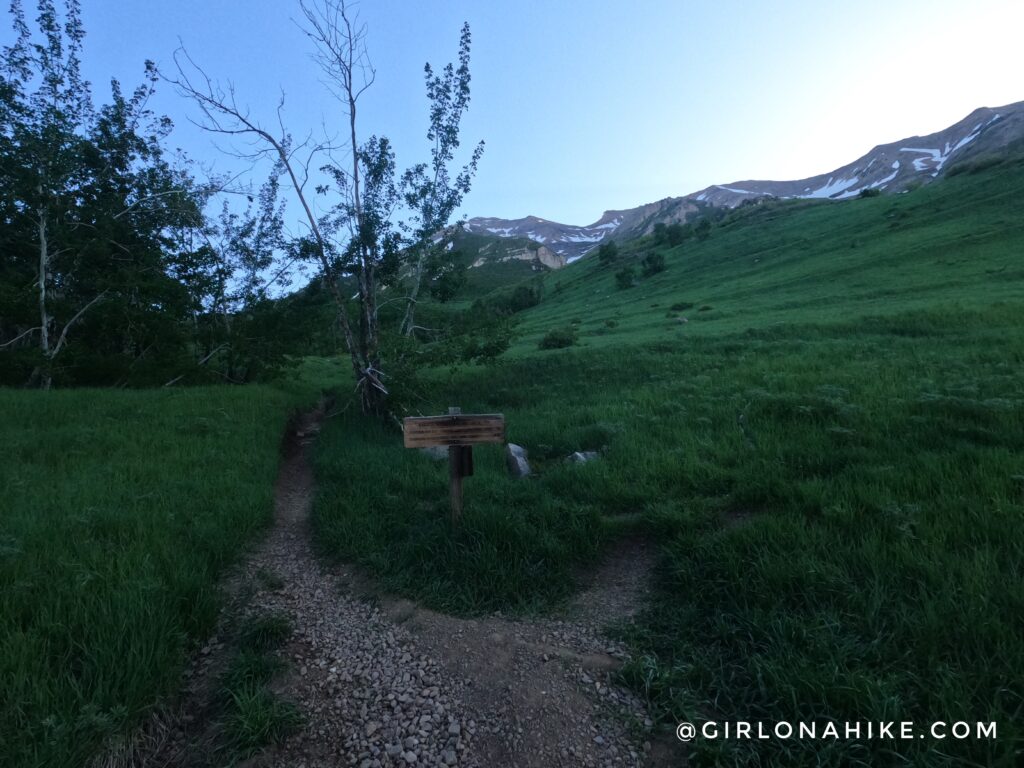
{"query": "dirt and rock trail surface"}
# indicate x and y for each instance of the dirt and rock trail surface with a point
(383, 682)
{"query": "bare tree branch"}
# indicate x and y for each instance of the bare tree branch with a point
(21, 336)
(67, 327)
(205, 359)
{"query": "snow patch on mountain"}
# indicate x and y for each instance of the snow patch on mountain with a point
(893, 167)
(882, 182)
(582, 238)
(737, 191)
(938, 157)
(580, 255)
(832, 187)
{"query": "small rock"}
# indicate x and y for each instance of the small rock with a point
(410, 757)
(582, 457)
(516, 461)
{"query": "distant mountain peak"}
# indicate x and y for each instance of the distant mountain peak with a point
(887, 167)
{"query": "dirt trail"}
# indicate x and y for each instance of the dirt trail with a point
(382, 682)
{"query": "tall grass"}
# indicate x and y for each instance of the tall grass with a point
(120, 509)
(830, 458)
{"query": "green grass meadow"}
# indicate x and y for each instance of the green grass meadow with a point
(817, 414)
(830, 456)
(120, 511)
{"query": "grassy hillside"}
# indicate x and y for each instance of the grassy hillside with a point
(828, 451)
(120, 509)
(955, 243)
(499, 270)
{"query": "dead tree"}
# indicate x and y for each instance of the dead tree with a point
(356, 236)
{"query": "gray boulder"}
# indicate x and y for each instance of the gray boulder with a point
(515, 460)
(582, 457)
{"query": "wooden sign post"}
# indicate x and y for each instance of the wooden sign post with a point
(460, 432)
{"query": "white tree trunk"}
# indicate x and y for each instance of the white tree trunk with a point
(46, 375)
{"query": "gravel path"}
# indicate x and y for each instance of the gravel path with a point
(382, 682)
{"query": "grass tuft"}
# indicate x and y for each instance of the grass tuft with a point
(265, 633)
(258, 718)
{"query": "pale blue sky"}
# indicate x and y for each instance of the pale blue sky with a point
(587, 106)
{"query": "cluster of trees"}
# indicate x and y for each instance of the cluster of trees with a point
(101, 249)
(114, 271)
(651, 263)
(676, 233)
(608, 253)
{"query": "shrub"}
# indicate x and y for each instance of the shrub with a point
(682, 306)
(625, 277)
(558, 338)
(608, 253)
(703, 229)
(523, 297)
(675, 233)
(705, 308)
(652, 264)
(869, 192)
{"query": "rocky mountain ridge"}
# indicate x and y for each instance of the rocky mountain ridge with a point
(892, 167)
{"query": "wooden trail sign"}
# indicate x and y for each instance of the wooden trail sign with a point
(460, 432)
(454, 429)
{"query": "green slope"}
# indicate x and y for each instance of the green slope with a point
(829, 457)
(956, 243)
(500, 268)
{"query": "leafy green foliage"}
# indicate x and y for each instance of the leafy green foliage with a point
(430, 190)
(447, 280)
(608, 252)
(558, 338)
(676, 232)
(625, 277)
(652, 264)
(112, 272)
